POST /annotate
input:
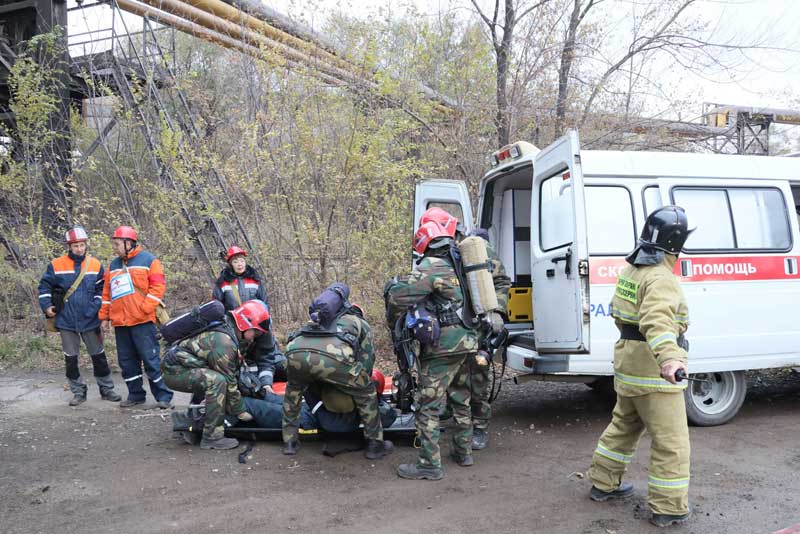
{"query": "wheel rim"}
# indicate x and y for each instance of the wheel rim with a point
(716, 395)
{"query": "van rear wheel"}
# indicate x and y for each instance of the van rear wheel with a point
(716, 401)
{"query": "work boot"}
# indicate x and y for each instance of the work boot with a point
(164, 405)
(624, 490)
(106, 386)
(480, 439)
(219, 443)
(244, 417)
(666, 520)
(78, 389)
(128, 403)
(192, 438)
(414, 472)
(464, 460)
(377, 449)
(290, 447)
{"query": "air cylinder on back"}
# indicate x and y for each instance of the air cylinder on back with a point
(476, 267)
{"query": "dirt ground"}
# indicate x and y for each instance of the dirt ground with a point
(95, 468)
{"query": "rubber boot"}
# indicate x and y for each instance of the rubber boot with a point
(414, 472)
(624, 490)
(78, 389)
(464, 460)
(665, 520)
(220, 443)
(480, 439)
(378, 449)
(290, 447)
(106, 385)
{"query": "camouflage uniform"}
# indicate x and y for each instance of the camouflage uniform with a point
(207, 362)
(479, 379)
(434, 280)
(648, 298)
(331, 360)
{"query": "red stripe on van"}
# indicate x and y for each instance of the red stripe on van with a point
(794, 529)
(707, 268)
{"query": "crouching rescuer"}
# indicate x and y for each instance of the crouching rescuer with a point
(334, 349)
(209, 361)
(651, 314)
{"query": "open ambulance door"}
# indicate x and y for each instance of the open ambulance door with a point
(559, 250)
(450, 195)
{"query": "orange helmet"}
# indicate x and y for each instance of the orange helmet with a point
(379, 380)
(252, 314)
(76, 234)
(125, 232)
(234, 251)
(427, 233)
(440, 217)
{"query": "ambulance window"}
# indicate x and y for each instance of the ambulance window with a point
(652, 199)
(556, 218)
(708, 211)
(609, 214)
(450, 207)
(759, 217)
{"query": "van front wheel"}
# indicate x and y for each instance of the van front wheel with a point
(716, 401)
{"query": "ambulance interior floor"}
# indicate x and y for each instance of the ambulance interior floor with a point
(97, 468)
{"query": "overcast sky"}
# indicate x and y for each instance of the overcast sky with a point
(770, 79)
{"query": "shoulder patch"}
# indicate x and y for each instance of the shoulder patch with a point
(627, 289)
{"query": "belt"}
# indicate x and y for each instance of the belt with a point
(628, 331)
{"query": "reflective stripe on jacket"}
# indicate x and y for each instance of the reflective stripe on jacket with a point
(649, 298)
(80, 310)
(124, 305)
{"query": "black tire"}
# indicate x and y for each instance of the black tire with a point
(716, 402)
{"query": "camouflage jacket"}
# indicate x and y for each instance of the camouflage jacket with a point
(433, 280)
(337, 348)
(212, 349)
(502, 282)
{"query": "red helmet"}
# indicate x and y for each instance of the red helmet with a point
(234, 251)
(426, 233)
(379, 380)
(125, 232)
(440, 217)
(76, 234)
(253, 314)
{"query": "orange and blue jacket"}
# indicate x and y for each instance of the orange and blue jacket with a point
(80, 309)
(133, 289)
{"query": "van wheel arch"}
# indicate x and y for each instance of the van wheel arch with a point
(716, 402)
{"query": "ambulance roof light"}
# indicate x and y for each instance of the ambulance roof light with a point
(512, 151)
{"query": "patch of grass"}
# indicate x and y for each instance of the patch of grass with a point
(30, 352)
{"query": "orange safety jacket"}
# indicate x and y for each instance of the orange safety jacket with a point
(133, 289)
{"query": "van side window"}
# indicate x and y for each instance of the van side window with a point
(450, 207)
(735, 218)
(652, 199)
(556, 218)
(609, 215)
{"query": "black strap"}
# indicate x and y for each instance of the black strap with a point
(629, 331)
(478, 266)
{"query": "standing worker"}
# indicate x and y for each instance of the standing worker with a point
(335, 350)
(134, 287)
(651, 313)
(434, 284)
(71, 292)
(237, 283)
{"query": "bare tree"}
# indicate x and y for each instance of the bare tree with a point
(502, 36)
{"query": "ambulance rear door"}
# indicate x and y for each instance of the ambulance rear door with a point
(450, 195)
(559, 250)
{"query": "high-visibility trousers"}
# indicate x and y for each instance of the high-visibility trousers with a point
(663, 415)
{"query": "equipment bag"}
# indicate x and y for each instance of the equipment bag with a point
(189, 324)
(326, 308)
(424, 326)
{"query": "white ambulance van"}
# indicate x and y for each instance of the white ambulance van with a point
(562, 220)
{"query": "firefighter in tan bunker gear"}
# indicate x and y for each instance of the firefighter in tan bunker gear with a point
(651, 313)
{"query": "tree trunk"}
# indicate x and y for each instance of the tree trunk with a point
(503, 51)
(567, 57)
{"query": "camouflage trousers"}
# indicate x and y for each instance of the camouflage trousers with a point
(222, 396)
(480, 388)
(306, 367)
(443, 376)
